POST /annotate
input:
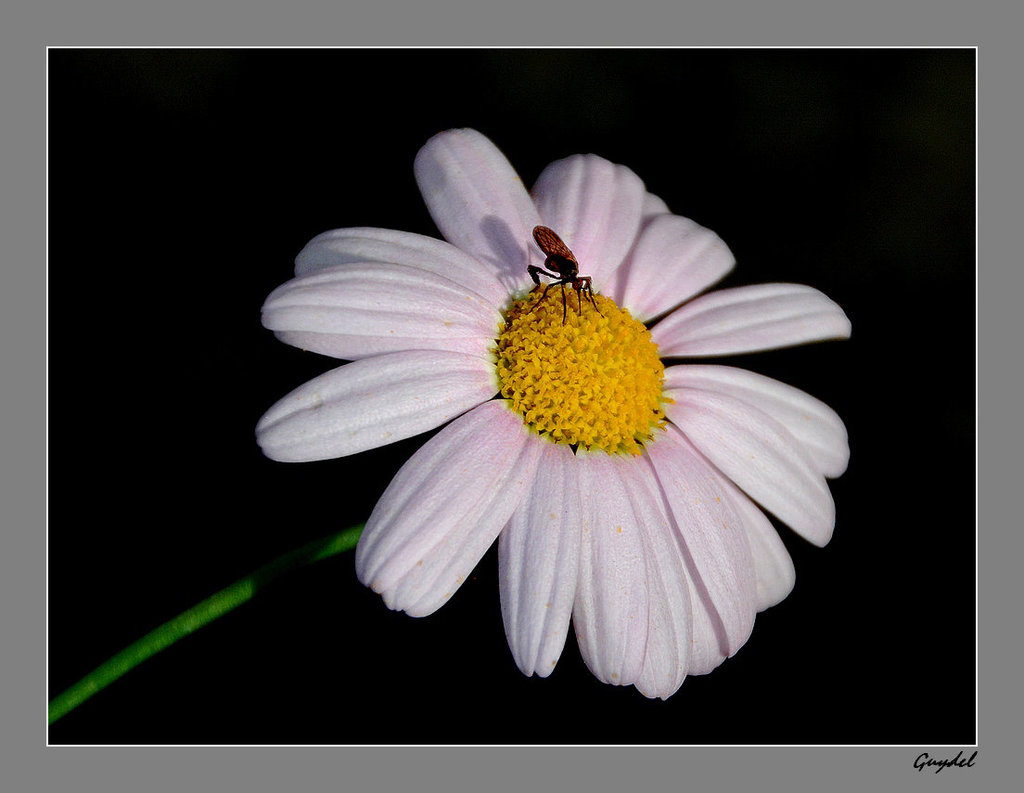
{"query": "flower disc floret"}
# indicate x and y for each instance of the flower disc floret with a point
(594, 380)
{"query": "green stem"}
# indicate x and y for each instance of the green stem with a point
(199, 615)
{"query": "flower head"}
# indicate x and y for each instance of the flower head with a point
(627, 498)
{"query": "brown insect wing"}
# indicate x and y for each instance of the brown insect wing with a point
(551, 243)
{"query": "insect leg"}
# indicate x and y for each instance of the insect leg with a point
(535, 273)
(587, 286)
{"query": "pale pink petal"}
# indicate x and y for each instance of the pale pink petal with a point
(708, 647)
(353, 245)
(760, 456)
(773, 565)
(673, 260)
(479, 203)
(712, 537)
(610, 614)
(595, 207)
(615, 284)
(750, 318)
(809, 420)
(445, 507)
(653, 206)
(708, 644)
(356, 310)
(670, 631)
(538, 558)
(374, 402)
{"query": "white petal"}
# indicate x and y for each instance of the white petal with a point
(445, 507)
(760, 456)
(347, 246)
(355, 310)
(595, 206)
(479, 203)
(773, 565)
(610, 615)
(538, 557)
(750, 318)
(673, 260)
(809, 420)
(374, 402)
(713, 540)
(670, 631)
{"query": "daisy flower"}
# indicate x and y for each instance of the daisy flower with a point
(627, 498)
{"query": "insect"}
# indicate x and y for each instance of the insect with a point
(564, 269)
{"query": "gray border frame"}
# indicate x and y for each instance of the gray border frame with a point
(29, 765)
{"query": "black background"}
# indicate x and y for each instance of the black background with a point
(183, 183)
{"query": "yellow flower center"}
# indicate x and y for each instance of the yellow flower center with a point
(594, 381)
